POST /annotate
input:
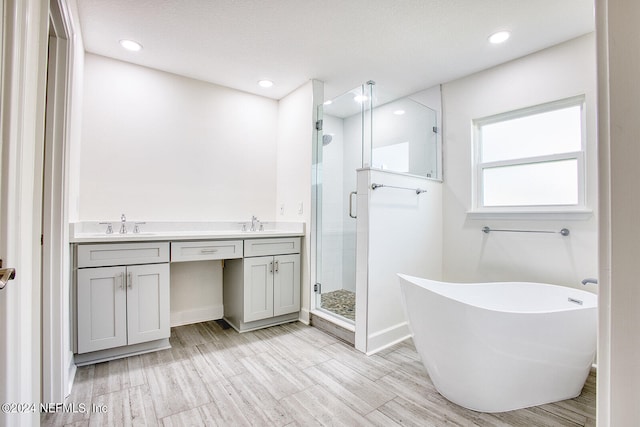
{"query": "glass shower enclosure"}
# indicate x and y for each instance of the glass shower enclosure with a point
(355, 132)
(345, 124)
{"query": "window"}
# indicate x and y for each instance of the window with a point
(531, 159)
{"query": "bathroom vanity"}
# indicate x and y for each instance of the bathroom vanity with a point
(263, 287)
(122, 281)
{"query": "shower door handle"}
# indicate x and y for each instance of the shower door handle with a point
(353, 193)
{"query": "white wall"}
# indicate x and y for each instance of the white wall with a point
(334, 204)
(619, 297)
(470, 255)
(296, 130)
(352, 153)
(398, 232)
(158, 146)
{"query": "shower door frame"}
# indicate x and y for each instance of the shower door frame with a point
(365, 89)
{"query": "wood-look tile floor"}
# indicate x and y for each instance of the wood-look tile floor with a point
(288, 375)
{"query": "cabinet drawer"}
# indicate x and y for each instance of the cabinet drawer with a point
(204, 250)
(262, 247)
(122, 254)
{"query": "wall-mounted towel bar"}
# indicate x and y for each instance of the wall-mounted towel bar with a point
(564, 231)
(417, 190)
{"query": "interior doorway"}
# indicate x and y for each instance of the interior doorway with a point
(55, 257)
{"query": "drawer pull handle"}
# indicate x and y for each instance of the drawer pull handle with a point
(277, 266)
(208, 251)
(130, 280)
(271, 267)
(121, 280)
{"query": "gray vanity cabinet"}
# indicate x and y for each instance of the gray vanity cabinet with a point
(121, 302)
(263, 288)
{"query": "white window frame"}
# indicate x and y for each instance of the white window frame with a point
(579, 156)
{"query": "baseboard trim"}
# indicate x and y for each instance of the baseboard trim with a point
(304, 316)
(71, 376)
(387, 337)
(197, 315)
(121, 352)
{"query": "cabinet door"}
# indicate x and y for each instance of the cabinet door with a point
(258, 288)
(101, 306)
(147, 302)
(286, 284)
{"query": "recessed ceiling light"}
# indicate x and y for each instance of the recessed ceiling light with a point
(131, 45)
(398, 112)
(499, 37)
(329, 102)
(265, 83)
(360, 98)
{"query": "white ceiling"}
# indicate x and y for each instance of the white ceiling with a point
(403, 45)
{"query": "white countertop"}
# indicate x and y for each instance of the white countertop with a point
(94, 232)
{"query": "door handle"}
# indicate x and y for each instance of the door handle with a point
(353, 193)
(6, 274)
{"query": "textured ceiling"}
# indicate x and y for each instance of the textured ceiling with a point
(403, 45)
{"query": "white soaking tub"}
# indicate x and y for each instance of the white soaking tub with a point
(495, 347)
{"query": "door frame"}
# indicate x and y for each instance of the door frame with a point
(57, 369)
(22, 80)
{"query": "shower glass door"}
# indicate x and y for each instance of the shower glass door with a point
(339, 154)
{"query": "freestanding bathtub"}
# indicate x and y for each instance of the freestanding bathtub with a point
(495, 347)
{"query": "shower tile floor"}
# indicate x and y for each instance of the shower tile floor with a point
(340, 302)
(287, 375)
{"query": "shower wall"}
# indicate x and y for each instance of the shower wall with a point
(398, 232)
(333, 205)
(341, 157)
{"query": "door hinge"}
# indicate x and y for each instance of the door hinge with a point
(42, 240)
(435, 129)
(319, 125)
(317, 288)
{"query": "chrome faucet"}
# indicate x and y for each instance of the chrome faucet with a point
(589, 280)
(109, 227)
(123, 225)
(254, 221)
